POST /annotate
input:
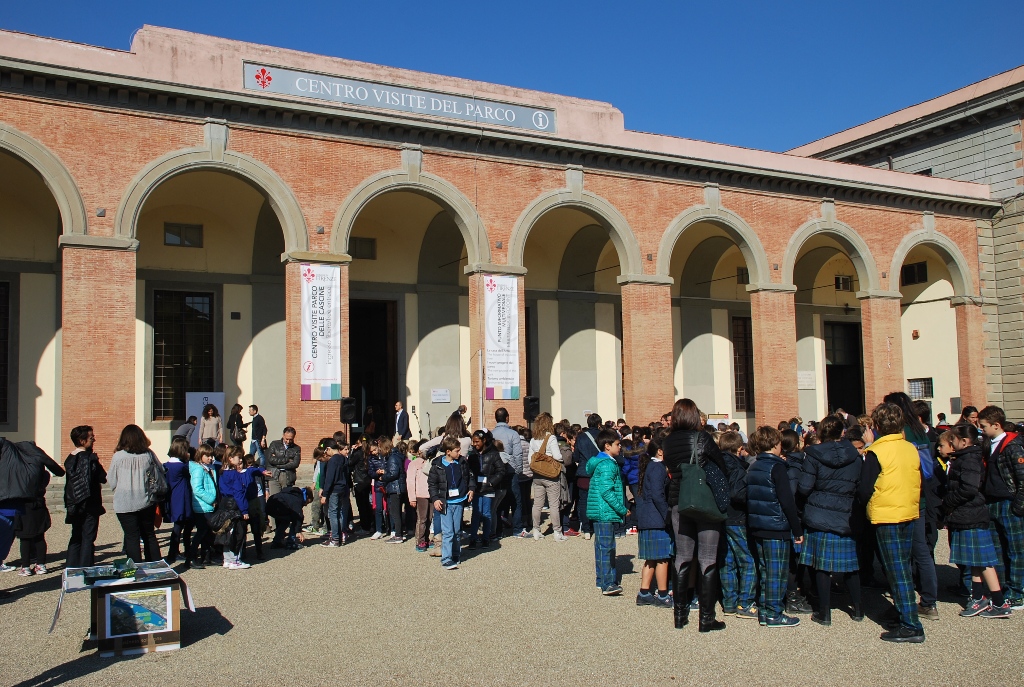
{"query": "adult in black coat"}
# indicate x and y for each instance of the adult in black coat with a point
(686, 439)
(83, 497)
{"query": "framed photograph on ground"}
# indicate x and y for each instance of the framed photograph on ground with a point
(140, 611)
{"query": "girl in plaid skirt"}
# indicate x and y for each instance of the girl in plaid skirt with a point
(967, 519)
(653, 513)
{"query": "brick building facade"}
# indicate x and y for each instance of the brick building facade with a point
(762, 285)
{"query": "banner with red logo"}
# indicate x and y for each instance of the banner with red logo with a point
(321, 332)
(501, 307)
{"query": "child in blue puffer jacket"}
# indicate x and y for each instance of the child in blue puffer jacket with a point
(631, 451)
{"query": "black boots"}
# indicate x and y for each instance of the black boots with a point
(682, 595)
(708, 599)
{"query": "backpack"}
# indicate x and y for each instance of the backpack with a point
(156, 481)
(77, 487)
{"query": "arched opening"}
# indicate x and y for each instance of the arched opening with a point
(573, 314)
(210, 304)
(929, 331)
(712, 321)
(830, 358)
(30, 313)
(408, 312)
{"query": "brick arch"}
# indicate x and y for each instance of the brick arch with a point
(606, 214)
(214, 157)
(739, 231)
(851, 242)
(950, 253)
(437, 189)
(55, 175)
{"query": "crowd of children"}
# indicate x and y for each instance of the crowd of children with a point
(764, 526)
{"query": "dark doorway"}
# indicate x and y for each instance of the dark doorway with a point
(844, 371)
(373, 364)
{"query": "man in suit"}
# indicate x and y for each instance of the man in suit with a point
(401, 423)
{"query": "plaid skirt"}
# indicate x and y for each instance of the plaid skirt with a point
(656, 545)
(973, 548)
(829, 552)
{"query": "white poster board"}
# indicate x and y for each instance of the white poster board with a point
(440, 396)
(806, 379)
(195, 401)
(321, 332)
(501, 307)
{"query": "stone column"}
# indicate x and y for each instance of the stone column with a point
(648, 355)
(97, 338)
(312, 420)
(773, 328)
(882, 339)
(478, 348)
(970, 344)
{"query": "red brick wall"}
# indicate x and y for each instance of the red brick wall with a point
(98, 345)
(647, 352)
(104, 148)
(970, 341)
(882, 340)
(773, 324)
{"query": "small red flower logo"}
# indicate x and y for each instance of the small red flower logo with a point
(308, 274)
(263, 78)
(490, 284)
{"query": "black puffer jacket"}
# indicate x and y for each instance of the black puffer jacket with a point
(736, 514)
(489, 466)
(831, 473)
(678, 447)
(964, 505)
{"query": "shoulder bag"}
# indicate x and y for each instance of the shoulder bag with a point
(544, 465)
(696, 500)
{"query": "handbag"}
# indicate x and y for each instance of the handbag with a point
(238, 434)
(156, 481)
(544, 465)
(696, 500)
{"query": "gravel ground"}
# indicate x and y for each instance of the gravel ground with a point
(525, 612)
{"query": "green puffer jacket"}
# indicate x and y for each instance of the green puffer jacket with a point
(606, 501)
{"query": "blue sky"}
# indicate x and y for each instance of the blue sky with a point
(755, 74)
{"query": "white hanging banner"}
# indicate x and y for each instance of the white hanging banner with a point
(321, 332)
(501, 307)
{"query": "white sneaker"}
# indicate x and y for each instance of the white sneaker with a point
(536, 534)
(560, 537)
(588, 536)
(7, 568)
(238, 565)
(376, 535)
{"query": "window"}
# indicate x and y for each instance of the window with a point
(5, 350)
(844, 283)
(742, 275)
(914, 273)
(839, 345)
(920, 388)
(184, 235)
(363, 248)
(925, 172)
(743, 362)
(183, 350)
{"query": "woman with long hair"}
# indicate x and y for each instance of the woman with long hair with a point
(210, 425)
(546, 490)
(236, 426)
(688, 438)
(133, 505)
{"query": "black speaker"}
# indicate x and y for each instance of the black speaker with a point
(349, 411)
(531, 408)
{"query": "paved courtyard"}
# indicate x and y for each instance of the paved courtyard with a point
(522, 614)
